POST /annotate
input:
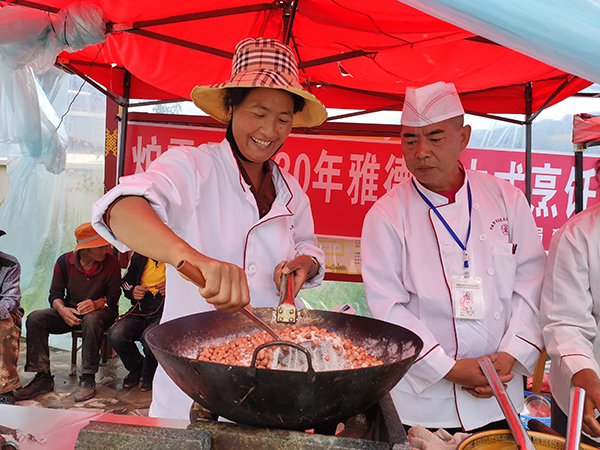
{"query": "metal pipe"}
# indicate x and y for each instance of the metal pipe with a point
(528, 139)
(123, 134)
(578, 181)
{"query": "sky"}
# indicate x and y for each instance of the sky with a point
(569, 106)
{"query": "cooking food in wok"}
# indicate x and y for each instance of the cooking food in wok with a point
(282, 398)
(328, 351)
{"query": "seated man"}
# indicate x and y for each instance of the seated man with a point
(144, 285)
(84, 295)
(10, 325)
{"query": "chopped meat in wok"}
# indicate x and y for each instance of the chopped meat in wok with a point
(328, 351)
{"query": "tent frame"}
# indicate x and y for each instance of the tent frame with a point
(289, 8)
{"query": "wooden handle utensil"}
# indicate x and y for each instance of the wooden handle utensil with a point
(197, 278)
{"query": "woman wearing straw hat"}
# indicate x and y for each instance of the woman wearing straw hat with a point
(226, 208)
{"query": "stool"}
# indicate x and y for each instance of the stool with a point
(105, 350)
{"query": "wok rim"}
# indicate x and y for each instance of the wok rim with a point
(353, 390)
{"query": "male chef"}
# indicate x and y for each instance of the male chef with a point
(454, 255)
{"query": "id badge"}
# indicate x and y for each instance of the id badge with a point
(467, 297)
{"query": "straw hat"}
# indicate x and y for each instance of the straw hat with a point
(430, 104)
(261, 62)
(88, 238)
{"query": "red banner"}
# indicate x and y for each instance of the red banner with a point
(344, 176)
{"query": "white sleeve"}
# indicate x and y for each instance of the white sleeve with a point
(382, 260)
(566, 316)
(168, 184)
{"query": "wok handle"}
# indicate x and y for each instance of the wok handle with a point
(310, 370)
(198, 279)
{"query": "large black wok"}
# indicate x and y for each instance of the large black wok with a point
(278, 398)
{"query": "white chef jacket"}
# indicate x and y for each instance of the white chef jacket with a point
(570, 305)
(408, 258)
(201, 195)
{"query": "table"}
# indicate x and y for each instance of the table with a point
(60, 427)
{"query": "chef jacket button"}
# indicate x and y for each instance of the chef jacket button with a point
(497, 316)
(252, 269)
(482, 237)
(475, 206)
(490, 271)
(459, 321)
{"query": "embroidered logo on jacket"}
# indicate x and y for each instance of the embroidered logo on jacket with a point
(502, 222)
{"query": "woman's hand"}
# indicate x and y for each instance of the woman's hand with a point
(301, 266)
(226, 286)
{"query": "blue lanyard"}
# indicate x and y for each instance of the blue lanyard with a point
(450, 230)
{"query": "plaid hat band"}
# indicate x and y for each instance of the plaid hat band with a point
(261, 63)
(259, 78)
(252, 57)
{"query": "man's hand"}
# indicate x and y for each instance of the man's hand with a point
(588, 380)
(68, 315)
(468, 374)
(503, 363)
(86, 307)
(139, 291)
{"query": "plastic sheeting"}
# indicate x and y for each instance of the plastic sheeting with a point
(42, 209)
(562, 33)
(34, 105)
(30, 41)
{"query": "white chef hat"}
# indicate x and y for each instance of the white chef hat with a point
(430, 104)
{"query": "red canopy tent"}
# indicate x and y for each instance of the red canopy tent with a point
(353, 54)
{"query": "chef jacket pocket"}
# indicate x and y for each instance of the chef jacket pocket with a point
(504, 269)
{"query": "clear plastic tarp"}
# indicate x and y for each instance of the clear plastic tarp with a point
(561, 33)
(52, 132)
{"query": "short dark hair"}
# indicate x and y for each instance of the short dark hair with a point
(458, 122)
(235, 96)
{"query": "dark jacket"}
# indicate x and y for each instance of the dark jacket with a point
(150, 304)
(10, 289)
(72, 285)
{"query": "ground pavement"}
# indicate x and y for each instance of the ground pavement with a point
(110, 396)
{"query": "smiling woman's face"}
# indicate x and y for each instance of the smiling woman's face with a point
(262, 122)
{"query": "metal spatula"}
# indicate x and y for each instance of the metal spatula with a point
(575, 420)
